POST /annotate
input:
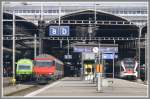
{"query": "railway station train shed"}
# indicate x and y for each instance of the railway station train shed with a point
(106, 26)
(22, 29)
(85, 26)
(95, 48)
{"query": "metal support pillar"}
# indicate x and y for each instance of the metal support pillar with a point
(99, 59)
(114, 63)
(35, 50)
(14, 79)
(40, 41)
(82, 67)
(94, 78)
(99, 79)
(59, 17)
(1, 48)
(99, 82)
(41, 30)
(68, 47)
(95, 13)
(139, 50)
(60, 43)
(146, 58)
(42, 11)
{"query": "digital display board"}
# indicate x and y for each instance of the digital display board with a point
(90, 49)
(67, 56)
(109, 56)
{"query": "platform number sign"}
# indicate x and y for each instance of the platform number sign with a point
(64, 30)
(53, 31)
(59, 31)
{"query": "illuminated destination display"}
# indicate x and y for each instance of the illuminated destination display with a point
(90, 49)
(109, 56)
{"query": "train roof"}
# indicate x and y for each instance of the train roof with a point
(23, 60)
(128, 59)
(47, 56)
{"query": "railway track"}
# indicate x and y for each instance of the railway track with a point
(25, 91)
(10, 84)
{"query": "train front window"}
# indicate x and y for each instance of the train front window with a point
(43, 63)
(24, 67)
(129, 64)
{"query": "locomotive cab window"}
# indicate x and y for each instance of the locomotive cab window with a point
(26, 67)
(43, 63)
(129, 64)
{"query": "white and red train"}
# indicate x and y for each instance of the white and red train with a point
(128, 68)
(47, 67)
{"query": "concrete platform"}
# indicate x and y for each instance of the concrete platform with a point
(11, 89)
(71, 86)
(6, 81)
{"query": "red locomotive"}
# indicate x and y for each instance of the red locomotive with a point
(47, 67)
